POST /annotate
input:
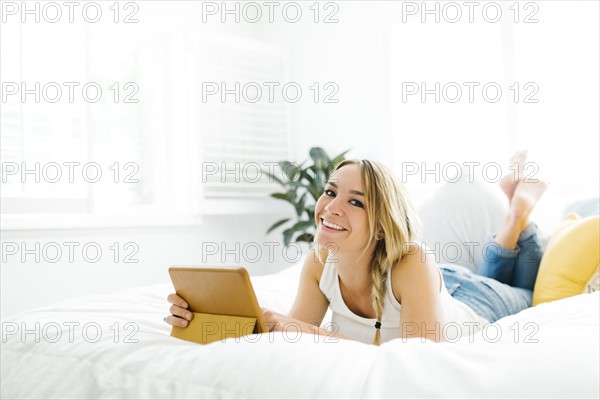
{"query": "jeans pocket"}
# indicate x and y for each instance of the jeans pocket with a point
(452, 279)
(508, 300)
(453, 287)
(495, 293)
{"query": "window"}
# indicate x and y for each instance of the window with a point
(82, 120)
(39, 135)
(138, 134)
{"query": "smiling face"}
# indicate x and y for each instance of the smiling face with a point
(340, 214)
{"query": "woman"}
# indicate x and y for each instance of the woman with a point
(381, 284)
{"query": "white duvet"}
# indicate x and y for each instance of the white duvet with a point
(550, 351)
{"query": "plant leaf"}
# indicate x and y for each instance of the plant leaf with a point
(320, 180)
(287, 236)
(310, 210)
(305, 237)
(303, 225)
(300, 204)
(284, 196)
(285, 169)
(339, 158)
(290, 170)
(314, 191)
(308, 176)
(296, 184)
(298, 226)
(319, 156)
(277, 224)
(275, 178)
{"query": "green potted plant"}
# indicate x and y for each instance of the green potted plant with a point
(303, 185)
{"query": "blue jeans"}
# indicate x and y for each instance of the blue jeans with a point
(505, 280)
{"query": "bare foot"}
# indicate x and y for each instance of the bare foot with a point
(522, 203)
(509, 182)
(524, 199)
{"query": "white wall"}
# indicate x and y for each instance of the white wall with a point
(353, 53)
(30, 284)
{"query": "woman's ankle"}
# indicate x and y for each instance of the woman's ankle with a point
(508, 236)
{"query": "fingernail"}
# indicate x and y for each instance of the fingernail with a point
(188, 315)
(184, 323)
(184, 305)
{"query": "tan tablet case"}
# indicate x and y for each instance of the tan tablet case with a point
(222, 300)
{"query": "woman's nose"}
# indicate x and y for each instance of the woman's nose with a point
(333, 207)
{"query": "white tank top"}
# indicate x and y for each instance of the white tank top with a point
(345, 322)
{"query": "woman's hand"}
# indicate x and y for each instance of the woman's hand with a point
(181, 316)
(276, 322)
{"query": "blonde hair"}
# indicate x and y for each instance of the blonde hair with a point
(393, 223)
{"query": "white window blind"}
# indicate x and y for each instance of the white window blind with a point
(237, 137)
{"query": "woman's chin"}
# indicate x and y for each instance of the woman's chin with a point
(324, 240)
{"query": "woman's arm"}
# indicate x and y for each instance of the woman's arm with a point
(418, 285)
(278, 323)
(310, 304)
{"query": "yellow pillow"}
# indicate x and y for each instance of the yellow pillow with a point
(570, 263)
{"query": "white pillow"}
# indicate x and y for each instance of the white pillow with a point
(460, 213)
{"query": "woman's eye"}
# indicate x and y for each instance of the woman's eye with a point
(329, 192)
(356, 203)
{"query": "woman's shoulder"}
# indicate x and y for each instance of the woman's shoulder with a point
(416, 253)
(314, 263)
(417, 265)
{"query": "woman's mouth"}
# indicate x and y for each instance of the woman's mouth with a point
(331, 227)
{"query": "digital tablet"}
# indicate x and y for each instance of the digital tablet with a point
(218, 291)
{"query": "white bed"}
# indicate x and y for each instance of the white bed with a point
(564, 363)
